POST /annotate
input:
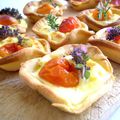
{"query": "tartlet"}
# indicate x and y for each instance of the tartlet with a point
(87, 17)
(108, 40)
(16, 49)
(74, 99)
(35, 10)
(12, 17)
(115, 4)
(83, 4)
(62, 30)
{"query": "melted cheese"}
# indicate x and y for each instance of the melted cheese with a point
(75, 95)
(23, 23)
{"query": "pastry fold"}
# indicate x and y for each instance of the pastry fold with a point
(82, 5)
(86, 16)
(57, 38)
(108, 47)
(30, 9)
(12, 62)
(71, 100)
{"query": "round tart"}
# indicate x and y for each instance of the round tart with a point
(35, 10)
(16, 48)
(83, 4)
(62, 30)
(73, 77)
(12, 17)
(108, 40)
(100, 17)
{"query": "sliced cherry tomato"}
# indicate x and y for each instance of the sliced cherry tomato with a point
(68, 25)
(96, 15)
(45, 9)
(9, 48)
(60, 72)
(117, 39)
(7, 20)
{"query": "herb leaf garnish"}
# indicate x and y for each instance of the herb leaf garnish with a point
(52, 21)
(103, 8)
(80, 57)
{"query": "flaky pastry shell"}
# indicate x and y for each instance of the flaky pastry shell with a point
(109, 48)
(82, 5)
(27, 73)
(31, 7)
(78, 35)
(13, 61)
(95, 25)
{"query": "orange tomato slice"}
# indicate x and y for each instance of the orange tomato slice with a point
(60, 72)
(45, 9)
(7, 20)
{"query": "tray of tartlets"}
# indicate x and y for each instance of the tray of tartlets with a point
(60, 61)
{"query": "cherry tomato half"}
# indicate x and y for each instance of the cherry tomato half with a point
(68, 25)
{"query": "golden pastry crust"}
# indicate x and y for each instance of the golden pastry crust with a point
(31, 7)
(28, 69)
(57, 38)
(86, 4)
(109, 48)
(86, 17)
(12, 62)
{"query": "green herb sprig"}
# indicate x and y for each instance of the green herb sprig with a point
(103, 8)
(52, 21)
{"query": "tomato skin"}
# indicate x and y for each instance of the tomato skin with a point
(13, 47)
(7, 20)
(117, 39)
(68, 25)
(60, 72)
(9, 49)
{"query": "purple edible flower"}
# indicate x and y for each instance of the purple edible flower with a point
(113, 32)
(80, 57)
(11, 12)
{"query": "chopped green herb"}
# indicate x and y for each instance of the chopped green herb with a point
(50, 1)
(52, 21)
(103, 8)
(87, 74)
(79, 66)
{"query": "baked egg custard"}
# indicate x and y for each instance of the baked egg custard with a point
(12, 17)
(62, 30)
(35, 10)
(73, 77)
(108, 40)
(100, 17)
(14, 47)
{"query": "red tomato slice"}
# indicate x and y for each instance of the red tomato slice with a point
(7, 20)
(68, 25)
(9, 49)
(117, 39)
